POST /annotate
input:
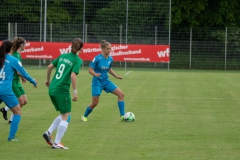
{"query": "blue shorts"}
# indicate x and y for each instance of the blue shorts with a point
(9, 99)
(107, 86)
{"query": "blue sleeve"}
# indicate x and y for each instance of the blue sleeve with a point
(110, 66)
(93, 63)
(18, 66)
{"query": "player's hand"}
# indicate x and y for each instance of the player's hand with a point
(97, 75)
(119, 77)
(23, 80)
(47, 83)
(74, 97)
(35, 86)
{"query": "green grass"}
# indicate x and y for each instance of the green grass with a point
(180, 115)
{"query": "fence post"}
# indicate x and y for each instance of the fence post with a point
(85, 33)
(120, 40)
(82, 64)
(50, 32)
(45, 21)
(83, 19)
(41, 22)
(190, 54)
(169, 24)
(39, 64)
(155, 64)
(9, 28)
(15, 29)
(225, 48)
(125, 65)
(126, 21)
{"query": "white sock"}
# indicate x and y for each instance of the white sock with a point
(6, 108)
(11, 117)
(61, 131)
(54, 124)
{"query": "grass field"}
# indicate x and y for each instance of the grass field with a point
(180, 115)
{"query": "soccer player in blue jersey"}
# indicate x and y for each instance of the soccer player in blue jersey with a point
(8, 66)
(19, 44)
(99, 68)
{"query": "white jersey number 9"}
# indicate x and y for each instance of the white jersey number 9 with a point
(60, 71)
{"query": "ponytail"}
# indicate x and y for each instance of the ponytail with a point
(17, 41)
(103, 44)
(77, 44)
(4, 49)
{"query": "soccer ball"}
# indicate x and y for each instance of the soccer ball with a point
(129, 117)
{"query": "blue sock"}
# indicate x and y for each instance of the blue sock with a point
(121, 107)
(14, 126)
(88, 111)
(69, 118)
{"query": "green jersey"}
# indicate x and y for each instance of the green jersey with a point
(16, 79)
(65, 65)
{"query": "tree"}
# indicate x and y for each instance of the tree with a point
(205, 13)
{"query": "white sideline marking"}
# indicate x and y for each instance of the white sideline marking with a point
(127, 73)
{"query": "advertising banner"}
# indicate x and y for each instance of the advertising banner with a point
(119, 52)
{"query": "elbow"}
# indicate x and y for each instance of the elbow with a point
(73, 75)
(90, 70)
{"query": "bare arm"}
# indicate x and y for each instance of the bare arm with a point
(49, 70)
(22, 78)
(74, 85)
(114, 74)
(91, 71)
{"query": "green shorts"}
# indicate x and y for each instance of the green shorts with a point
(62, 103)
(18, 90)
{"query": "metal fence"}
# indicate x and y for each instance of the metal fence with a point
(131, 22)
(117, 21)
(206, 48)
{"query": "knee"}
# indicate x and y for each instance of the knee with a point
(16, 110)
(22, 103)
(94, 104)
(121, 96)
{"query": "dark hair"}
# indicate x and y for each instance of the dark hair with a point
(104, 44)
(17, 41)
(4, 49)
(77, 44)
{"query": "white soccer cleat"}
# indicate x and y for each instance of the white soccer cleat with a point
(59, 146)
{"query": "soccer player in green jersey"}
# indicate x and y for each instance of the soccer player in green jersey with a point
(19, 44)
(67, 68)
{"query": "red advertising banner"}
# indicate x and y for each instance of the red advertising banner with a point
(119, 52)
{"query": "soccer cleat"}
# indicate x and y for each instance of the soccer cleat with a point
(9, 122)
(84, 119)
(122, 118)
(59, 146)
(48, 138)
(13, 140)
(4, 112)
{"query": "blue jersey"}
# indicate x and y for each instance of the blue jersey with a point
(10, 66)
(101, 65)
